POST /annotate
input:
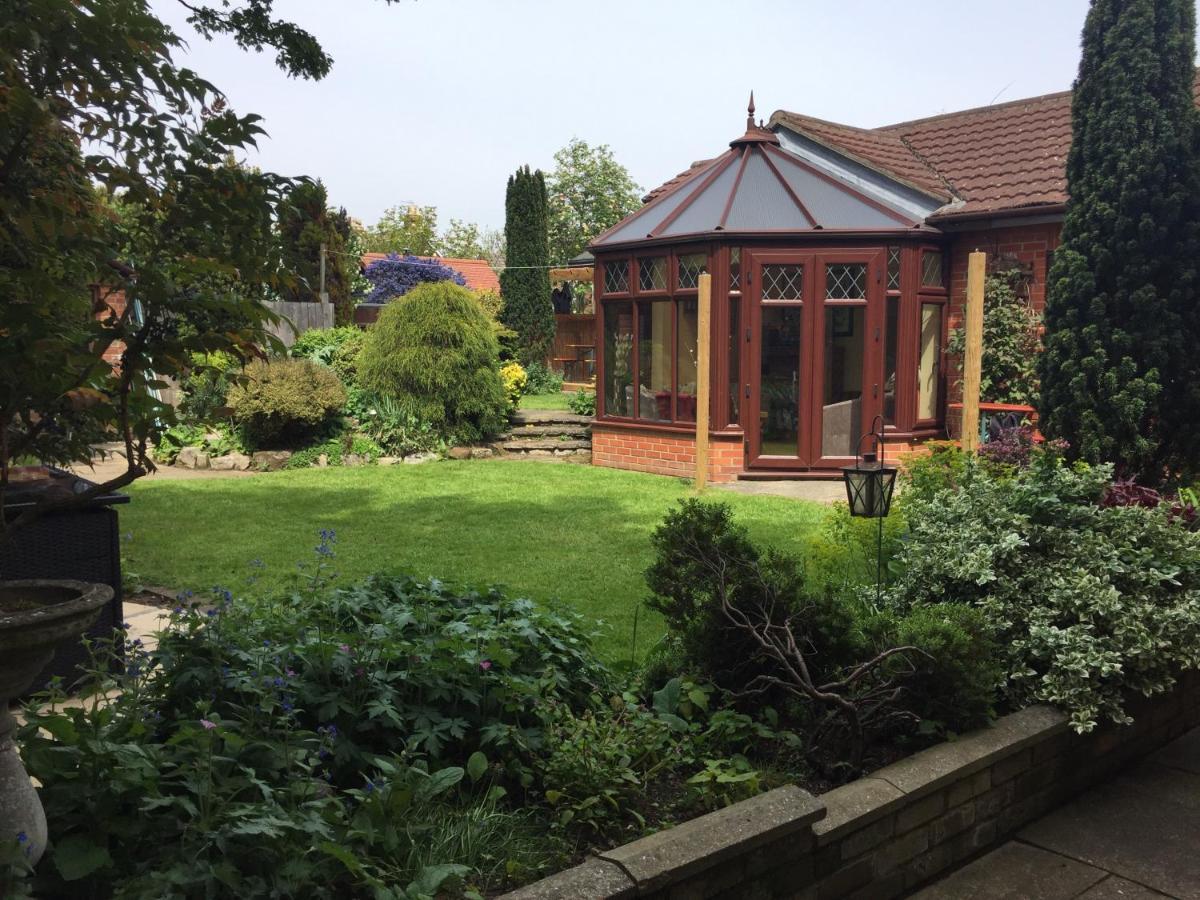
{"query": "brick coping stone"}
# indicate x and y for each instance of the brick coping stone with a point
(887, 831)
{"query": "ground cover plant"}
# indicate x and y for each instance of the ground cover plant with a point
(395, 738)
(576, 532)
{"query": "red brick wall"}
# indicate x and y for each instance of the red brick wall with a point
(1029, 244)
(664, 453)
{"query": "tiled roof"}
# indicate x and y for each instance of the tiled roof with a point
(998, 158)
(478, 273)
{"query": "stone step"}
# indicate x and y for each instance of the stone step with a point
(550, 429)
(524, 444)
(548, 416)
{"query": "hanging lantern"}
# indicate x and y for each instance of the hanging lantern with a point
(869, 483)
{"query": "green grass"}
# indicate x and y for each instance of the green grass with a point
(574, 532)
(545, 401)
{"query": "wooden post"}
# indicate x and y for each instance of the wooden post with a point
(703, 346)
(973, 352)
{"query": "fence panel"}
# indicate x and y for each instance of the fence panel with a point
(298, 318)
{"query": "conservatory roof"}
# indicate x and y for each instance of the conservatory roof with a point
(757, 187)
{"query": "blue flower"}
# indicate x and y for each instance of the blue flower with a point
(22, 837)
(125, 626)
(370, 785)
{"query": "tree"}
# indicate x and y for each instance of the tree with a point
(1119, 374)
(306, 224)
(191, 249)
(525, 283)
(589, 192)
(407, 230)
(394, 276)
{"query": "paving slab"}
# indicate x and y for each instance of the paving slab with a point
(1116, 888)
(1016, 871)
(1141, 826)
(828, 492)
(1182, 753)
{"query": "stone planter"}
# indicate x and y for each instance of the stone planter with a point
(35, 617)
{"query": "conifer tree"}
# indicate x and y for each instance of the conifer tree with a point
(305, 223)
(525, 282)
(1119, 372)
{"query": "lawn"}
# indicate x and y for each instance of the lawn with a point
(544, 530)
(557, 400)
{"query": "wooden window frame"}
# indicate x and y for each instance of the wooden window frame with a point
(939, 296)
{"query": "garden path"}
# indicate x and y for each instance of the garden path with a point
(1133, 837)
(826, 492)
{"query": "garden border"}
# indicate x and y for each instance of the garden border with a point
(888, 831)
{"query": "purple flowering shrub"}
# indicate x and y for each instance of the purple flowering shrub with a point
(394, 276)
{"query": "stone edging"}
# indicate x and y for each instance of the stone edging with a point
(883, 834)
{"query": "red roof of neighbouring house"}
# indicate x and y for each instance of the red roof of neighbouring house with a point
(479, 274)
(999, 158)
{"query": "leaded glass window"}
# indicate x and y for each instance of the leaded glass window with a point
(690, 267)
(652, 273)
(782, 282)
(616, 276)
(845, 281)
(893, 268)
(735, 269)
(931, 269)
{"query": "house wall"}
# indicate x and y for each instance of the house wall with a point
(106, 302)
(664, 453)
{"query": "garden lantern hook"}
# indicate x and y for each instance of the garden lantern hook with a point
(869, 488)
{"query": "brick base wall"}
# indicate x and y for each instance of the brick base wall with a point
(887, 833)
(664, 453)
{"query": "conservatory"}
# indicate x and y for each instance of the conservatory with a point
(829, 308)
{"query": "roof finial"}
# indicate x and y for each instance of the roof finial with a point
(750, 113)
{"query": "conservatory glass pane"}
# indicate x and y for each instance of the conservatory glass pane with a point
(690, 267)
(841, 411)
(735, 360)
(845, 281)
(686, 344)
(782, 282)
(780, 381)
(893, 268)
(652, 273)
(616, 276)
(618, 359)
(931, 269)
(735, 269)
(890, 338)
(929, 366)
(654, 361)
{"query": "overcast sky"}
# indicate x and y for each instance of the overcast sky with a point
(435, 102)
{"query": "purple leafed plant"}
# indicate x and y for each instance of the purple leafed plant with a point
(394, 276)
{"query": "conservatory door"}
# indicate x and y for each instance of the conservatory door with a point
(781, 309)
(815, 344)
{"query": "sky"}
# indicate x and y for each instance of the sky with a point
(436, 102)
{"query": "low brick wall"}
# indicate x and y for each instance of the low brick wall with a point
(888, 832)
(665, 453)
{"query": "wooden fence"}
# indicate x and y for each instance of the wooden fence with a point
(297, 318)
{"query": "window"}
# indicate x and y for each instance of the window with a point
(735, 360)
(654, 361)
(841, 413)
(890, 340)
(616, 276)
(690, 266)
(618, 358)
(779, 374)
(735, 269)
(782, 282)
(893, 280)
(931, 269)
(651, 342)
(652, 273)
(929, 361)
(846, 281)
(686, 347)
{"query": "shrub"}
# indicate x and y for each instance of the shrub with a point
(384, 421)
(582, 403)
(337, 348)
(1011, 340)
(541, 380)
(394, 276)
(514, 378)
(335, 451)
(206, 386)
(435, 353)
(284, 402)
(1087, 602)
(493, 305)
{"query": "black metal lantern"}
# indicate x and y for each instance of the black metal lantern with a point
(869, 488)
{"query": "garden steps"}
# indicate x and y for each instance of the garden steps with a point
(547, 433)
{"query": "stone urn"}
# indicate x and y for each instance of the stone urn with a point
(35, 617)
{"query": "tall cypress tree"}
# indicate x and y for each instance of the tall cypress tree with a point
(525, 282)
(1119, 370)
